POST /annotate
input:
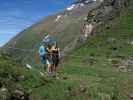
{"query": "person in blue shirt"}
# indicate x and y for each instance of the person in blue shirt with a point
(42, 54)
(49, 54)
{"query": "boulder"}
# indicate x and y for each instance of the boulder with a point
(83, 89)
(19, 95)
(130, 95)
(128, 63)
(21, 78)
(122, 69)
(4, 94)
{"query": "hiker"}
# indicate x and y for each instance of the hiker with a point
(52, 58)
(52, 54)
(49, 60)
(42, 54)
(55, 57)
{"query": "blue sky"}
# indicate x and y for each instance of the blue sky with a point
(16, 15)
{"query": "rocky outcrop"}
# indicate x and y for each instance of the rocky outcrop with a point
(107, 11)
(11, 74)
(126, 65)
(17, 94)
(101, 14)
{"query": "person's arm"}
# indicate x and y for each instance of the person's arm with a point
(49, 50)
(54, 49)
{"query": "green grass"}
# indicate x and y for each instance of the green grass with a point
(101, 77)
(11, 70)
(90, 73)
(89, 67)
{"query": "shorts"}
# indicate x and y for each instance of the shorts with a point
(49, 60)
(43, 59)
(55, 58)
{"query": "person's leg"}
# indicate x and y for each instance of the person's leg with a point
(54, 70)
(49, 69)
(55, 65)
(56, 62)
(52, 64)
(43, 61)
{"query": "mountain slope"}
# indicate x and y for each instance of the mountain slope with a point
(101, 69)
(64, 26)
(14, 76)
(69, 21)
(94, 72)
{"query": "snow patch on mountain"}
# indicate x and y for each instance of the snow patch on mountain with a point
(58, 18)
(79, 4)
(71, 7)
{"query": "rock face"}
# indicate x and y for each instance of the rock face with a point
(126, 65)
(17, 94)
(89, 29)
(130, 95)
(4, 94)
(11, 74)
(108, 10)
(116, 3)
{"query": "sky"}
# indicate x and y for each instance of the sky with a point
(16, 15)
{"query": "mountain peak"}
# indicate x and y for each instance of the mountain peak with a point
(79, 4)
(84, 1)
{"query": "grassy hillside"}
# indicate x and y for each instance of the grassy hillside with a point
(15, 80)
(95, 71)
(32, 36)
(65, 30)
(101, 69)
